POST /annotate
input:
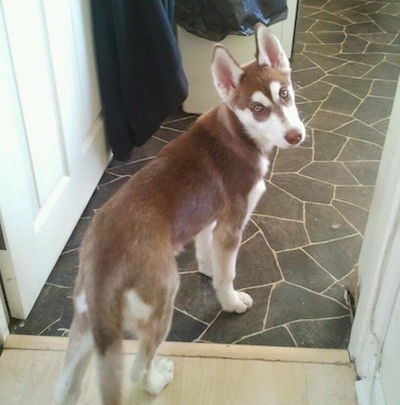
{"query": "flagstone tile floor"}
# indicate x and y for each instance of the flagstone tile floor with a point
(301, 247)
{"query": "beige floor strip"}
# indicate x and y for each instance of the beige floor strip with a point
(204, 374)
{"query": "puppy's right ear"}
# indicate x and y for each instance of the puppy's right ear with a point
(226, 72)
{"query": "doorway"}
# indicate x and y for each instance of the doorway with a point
(301, 248)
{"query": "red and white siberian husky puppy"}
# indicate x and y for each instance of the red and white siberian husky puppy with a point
(203, 186)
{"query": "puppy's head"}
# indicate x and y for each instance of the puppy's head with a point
(260, 93)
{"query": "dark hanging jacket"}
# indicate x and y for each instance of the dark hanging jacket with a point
(139, 67)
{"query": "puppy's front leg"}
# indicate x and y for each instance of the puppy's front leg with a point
(225, 247)
(203, 245)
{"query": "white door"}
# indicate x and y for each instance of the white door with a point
(52, 143)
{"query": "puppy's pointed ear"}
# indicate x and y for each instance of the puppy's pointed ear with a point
(226, 72)
(269, 50)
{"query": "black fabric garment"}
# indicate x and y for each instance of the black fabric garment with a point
(139, 67)
(215, 19)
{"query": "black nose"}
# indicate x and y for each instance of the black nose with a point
(293, 137)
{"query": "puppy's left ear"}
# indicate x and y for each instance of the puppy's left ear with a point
(269, 50)
(226, 72)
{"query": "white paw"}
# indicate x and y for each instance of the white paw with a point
(240, 302)
(160, 375)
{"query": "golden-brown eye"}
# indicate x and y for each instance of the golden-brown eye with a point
(257, 108)
(283, 93)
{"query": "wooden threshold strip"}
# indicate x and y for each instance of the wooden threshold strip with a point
(201, 350)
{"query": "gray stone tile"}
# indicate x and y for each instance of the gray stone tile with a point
(354, 215)
(358, 195)
(341, 101)
(330, 17)
(306, 112)
(325, 49)
(374, 109)
(339, 290)
(182, 124)
(379, 48)
(326, 26)
(354, 16)
(369, 8)
(303, 188)
(331, 37)
(325, 333)
(314, 4)
(79, 232)
(46, 313)
(382, 126)
(354, 44)
(304, 24)
(300, 62)
(341, 5)
(327, 145)
(273, 337)
(315, 92)
(363, 28)
(378, 38)
(324, 223)
(149, 149)
(351, 69)
(365, 172)
(391, 9)
(305, 38)
(184, 328)
(129, 169)
(359, 130)
(331, 172)
(394, 59)
(358, 87)
(307, 76)
(292, 160)
(65, 270)
(328, 121)
(338, 257)
(298, 268)
(167, 134)
(278, 203)
(282, 234)
(366, 58)
(360, 150)
(197, 297)
(383, 88)
(256, 265)
(387, 23)
(289, 303)
(249, 230)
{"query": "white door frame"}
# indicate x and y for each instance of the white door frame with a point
(379, 266)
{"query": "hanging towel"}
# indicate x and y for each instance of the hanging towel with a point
(139, 68)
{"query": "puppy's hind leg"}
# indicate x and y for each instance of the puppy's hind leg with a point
(153, 375)
(78, 355)
(109, 370)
